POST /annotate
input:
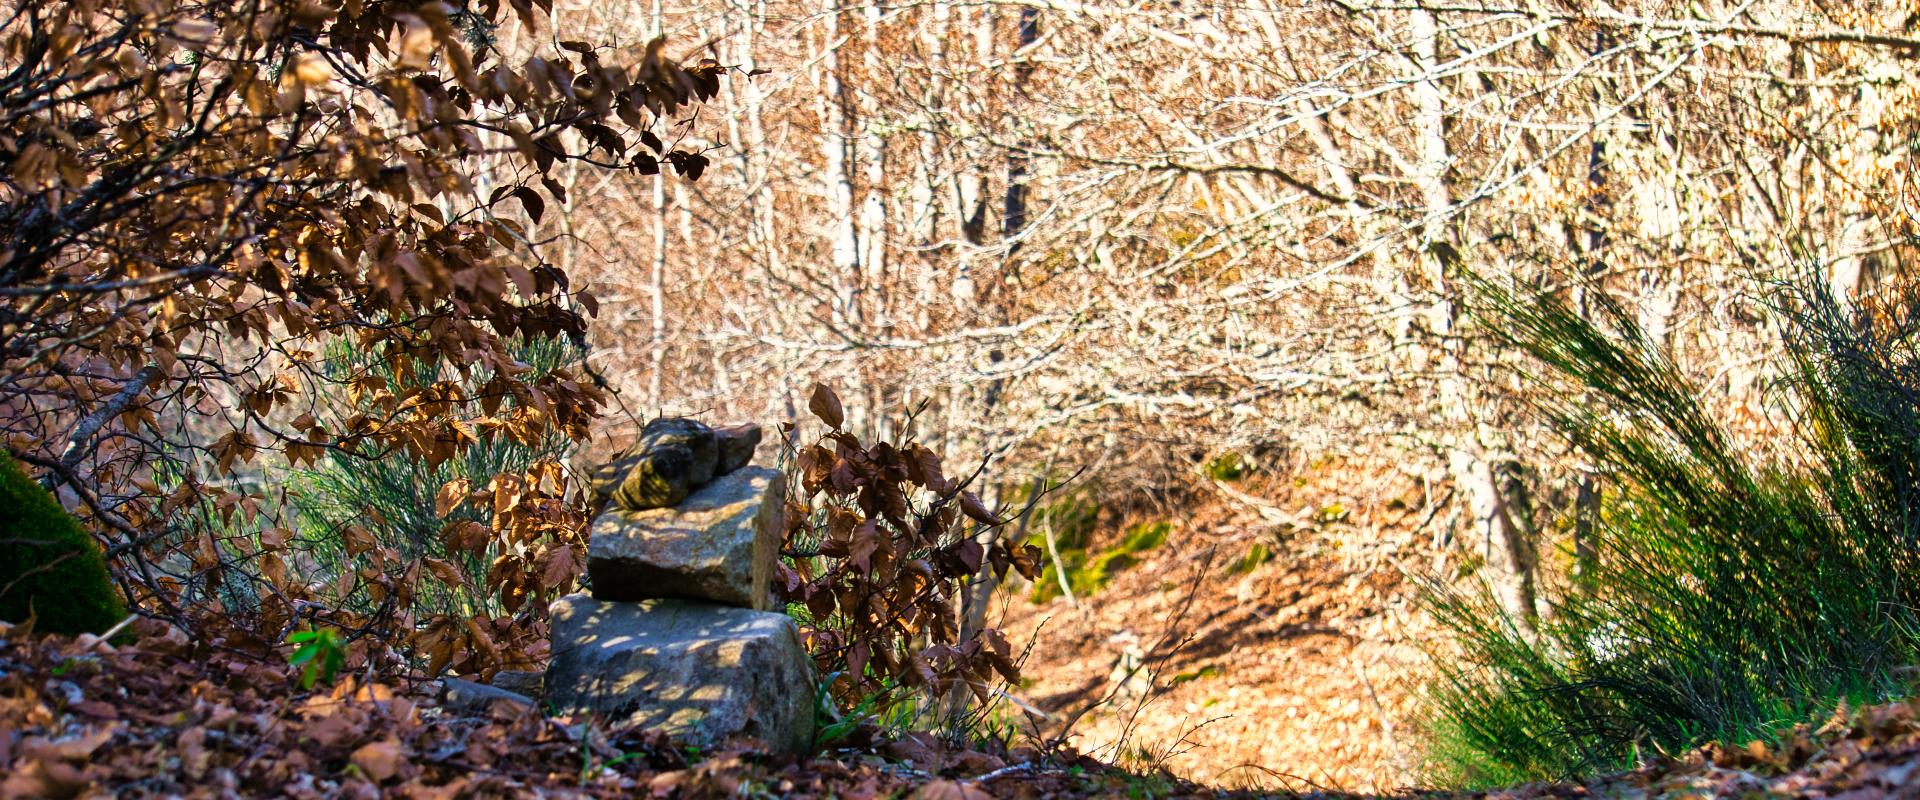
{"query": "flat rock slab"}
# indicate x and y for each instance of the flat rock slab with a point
(719, 544)
(702, 673)
(527, 683)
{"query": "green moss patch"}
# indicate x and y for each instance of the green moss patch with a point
(1256, 555)
(50, 569)
(1088, 573)
(1228, 466)
(1192, 675)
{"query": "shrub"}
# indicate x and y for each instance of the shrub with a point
(1732, 595)
(238, 183)
(412, 548)
(50, 568)
(393, 499)
(880, 545)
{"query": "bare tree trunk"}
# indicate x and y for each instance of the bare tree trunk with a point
(657, 299)
(1855, 269)
(1014, 216)
(1496, 516)
(1586, 514)
(1012, 223)
(873, 163)
(657, 278)
(835, 144)
(1590, 240)
(756, 157)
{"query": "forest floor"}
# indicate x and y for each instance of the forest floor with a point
(1296, 673)
(1300, 673)
(165, 717)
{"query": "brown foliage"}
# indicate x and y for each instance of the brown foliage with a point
(882, 548)
(196, 196)
(538, 534)
(1869, 752)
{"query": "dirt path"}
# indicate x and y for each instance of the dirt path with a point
(1297, 674)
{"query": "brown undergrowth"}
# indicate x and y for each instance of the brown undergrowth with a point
(1303, 673)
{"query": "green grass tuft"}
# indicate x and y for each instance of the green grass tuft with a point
(1256, 555)
(1730, 596)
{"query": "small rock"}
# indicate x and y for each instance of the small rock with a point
(918, 748)
(737, 443)
(719, 544)
(67, 690)
(466, 697)
(701, 673)
(974, 762)
(674, 457)
(605, 479)
(522, 682)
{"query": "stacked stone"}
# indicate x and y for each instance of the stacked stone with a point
(680, 632)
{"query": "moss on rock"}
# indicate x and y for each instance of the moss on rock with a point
(49, 567)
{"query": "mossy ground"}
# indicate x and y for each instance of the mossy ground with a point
(1087, 572)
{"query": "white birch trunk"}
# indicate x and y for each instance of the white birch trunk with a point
(1494, 515)
(837, 176)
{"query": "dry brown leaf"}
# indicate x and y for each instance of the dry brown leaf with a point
(380, 760)
(951, 790)
(36, 779)
(978, 511)
(559, 565)
(312, 70)
(451, 495)
(825, 404)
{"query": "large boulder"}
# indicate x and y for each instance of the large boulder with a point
(702, 673)
(673, 458)
(719, 544)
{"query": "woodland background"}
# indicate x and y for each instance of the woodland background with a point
(316, 314)
(1134, 238)
(1153, 240)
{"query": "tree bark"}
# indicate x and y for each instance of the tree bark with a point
(1497, 515)
(835, 145)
